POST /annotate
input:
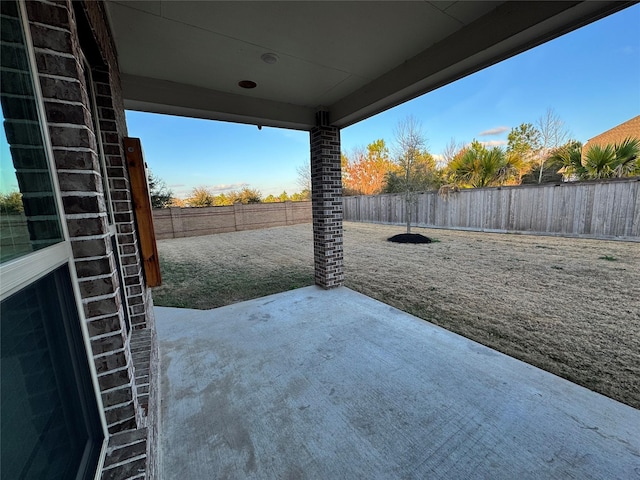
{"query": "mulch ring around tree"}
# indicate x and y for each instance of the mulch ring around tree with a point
(409, 238)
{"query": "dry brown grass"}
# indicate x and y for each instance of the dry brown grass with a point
(569, 306)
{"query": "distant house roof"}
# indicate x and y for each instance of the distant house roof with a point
(630, 128)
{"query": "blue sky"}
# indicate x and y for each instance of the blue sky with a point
(590, 78)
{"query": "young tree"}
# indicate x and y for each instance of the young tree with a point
(160, 194)
(553, 134)
(426, 176)
(409, 149)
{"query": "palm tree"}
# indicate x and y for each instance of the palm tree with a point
(478, 166)
(609, 161)
(600, 162)
(628, 158)
(570, 156)
(516, 167)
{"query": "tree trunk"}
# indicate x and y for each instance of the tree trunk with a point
(540, 175)
(407, 211)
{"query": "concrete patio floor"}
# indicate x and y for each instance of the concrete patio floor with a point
(315, 384)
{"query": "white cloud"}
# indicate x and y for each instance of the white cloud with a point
(184, 191)
(227, 187)
(440, 161)
(493, 131)
(494, 143)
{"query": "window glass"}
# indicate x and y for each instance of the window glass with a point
(29, 218)
(48, 411)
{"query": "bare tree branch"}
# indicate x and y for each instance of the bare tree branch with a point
(553, 134)
(451, 149)
(304, 177)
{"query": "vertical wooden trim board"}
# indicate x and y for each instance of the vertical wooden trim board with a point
(142, 208)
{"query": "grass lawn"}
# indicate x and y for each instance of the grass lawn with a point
(569, 306)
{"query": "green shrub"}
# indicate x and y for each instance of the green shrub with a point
(11, 203)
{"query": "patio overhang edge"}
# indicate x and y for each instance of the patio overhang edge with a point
(450, 61)
(162, 96)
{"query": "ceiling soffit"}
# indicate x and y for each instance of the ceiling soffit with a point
(354, 59)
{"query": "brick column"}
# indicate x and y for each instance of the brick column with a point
(326, 198)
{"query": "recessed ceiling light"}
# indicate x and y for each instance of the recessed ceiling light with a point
(247, 84)
(269, 58)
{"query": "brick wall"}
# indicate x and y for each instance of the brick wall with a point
(190, 222)
(326, 197)
(61, 31)
(120, 192)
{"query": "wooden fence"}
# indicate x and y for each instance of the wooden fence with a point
(191, 222)
(603, 209)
